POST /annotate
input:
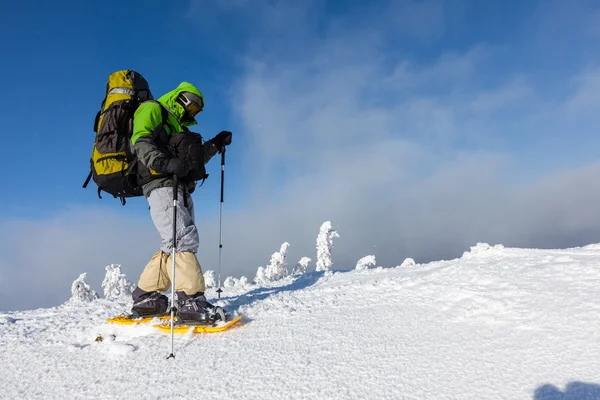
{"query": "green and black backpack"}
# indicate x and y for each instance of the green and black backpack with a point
(113, 166)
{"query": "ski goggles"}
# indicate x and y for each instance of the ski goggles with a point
(192, 103)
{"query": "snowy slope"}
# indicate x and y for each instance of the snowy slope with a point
(498, 323)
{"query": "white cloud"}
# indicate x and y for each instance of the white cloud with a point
(42, 257)
(451, 68)
(586, 98)
(414, 158)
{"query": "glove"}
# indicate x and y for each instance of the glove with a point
(178, 167)
(221, 140)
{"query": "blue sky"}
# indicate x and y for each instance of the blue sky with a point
(417, 127)
(59, 58)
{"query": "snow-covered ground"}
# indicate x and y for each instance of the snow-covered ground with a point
(498, 323)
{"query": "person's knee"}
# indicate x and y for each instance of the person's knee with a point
(189, 240)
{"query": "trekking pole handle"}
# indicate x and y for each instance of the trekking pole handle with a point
(175, 186)
(222, 172)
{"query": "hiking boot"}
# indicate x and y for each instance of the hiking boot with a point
(147, 304)
(196, 309)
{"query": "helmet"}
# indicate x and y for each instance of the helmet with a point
(192, 104)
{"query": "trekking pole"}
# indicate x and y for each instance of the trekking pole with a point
(174, 252)
(219, 290)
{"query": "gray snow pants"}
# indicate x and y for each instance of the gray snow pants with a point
(161, 210)
(158, 273)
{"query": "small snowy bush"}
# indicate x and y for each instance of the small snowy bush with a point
(324, 246)
(243, 282)
(115, 284)
(366, 262)
(81, 292)
(260, 277)
(229, 282)
(408, 262)
(209, 279)
(480, 248)
(277, 268)
(302, 266)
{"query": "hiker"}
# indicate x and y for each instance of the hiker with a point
(150, 144)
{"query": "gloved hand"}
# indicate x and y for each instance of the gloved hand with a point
(221, 140)
(178, 167)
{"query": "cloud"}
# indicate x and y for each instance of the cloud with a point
(418, 159)
(586, 98)
(42, 257)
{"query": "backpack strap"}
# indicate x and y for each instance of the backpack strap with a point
(165, 119)
(160, 133)
(88, 179)
(164, 112)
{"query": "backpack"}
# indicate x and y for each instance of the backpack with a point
(113, 166)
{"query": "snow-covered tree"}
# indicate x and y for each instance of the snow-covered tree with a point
(301, 266)
(277, 268)
(366, 262)
(81, 292)
(209, 279)
(324, 246)
(115, 284)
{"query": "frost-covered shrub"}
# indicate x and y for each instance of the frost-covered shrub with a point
(81, 292)
(301, 266)
(366, 262)
(115, 284)
(277, 268)
(209, 279)
(480, 248)
(243, 282)
(260, 277)
(408, 262)
(324, 246)
(230, 282)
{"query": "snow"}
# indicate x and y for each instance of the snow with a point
(497, 323)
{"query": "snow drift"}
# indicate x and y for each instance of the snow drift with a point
(497, 323)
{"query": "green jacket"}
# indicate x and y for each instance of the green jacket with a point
(150, 135)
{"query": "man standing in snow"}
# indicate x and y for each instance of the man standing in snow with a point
(150, 143)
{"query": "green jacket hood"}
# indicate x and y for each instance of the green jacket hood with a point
(168, 100)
